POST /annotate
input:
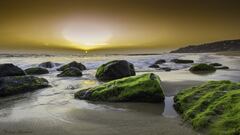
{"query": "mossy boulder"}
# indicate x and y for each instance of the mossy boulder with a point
(181, 61)
(36, 71)
(74, 64)
(214, 106)
(48, 64)
(20, 84)
(70, 72)
(141, 88)
(9, 69)
(202, 68)
(115, 70)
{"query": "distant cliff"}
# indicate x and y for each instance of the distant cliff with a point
(220, 46)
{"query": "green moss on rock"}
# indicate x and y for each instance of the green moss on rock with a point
(214, 105)
(36, 71)
(70, 72)
(20, 84)
(202, 68)
(142, 88)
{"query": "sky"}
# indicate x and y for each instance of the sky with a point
(115, 25)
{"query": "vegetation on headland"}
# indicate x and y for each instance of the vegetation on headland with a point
(214, 105)
(141, 88)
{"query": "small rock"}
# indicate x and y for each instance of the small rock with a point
(180, 61)
(36, 71)
(70, 72)
(74, 64)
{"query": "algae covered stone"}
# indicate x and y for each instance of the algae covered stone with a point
(141, 88)
(115, 70)
(202, 68)
(70, 72)
(36, 71)
(9, 69)
(20, 84)
(74, 64)
(214, 106)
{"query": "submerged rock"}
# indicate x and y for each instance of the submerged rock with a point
(20, 84)
(141, 88)
(180, 61)
(160, 61)
(202, 68)
(215, 64)
(154, 66)
(48, 64)
(222, 67)
(115, 70)
(70, 72)
(214, 105)
(167, 69)
(36, 71)
(9, 69)
(74, 64)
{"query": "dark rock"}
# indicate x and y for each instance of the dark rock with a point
(202, 68)
(36, 71)
(70, 72)
(215, 64)
(48, 64)
(180, 61)
(74, 64)
(9, 69)
(160, 61)
(222, 67)
(220, 46)
(20, 84)
(165, 69)
(115, 70)
(154, 66)
(142, 88)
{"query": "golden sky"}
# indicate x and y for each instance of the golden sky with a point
(113, 25)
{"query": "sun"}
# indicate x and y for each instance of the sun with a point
(87, 36)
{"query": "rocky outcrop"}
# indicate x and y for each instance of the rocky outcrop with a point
(70, 72)
(220, 46)
(36, 71)
(73, 64)
(20, 84)
(115, 70)
(142, 88)
(9, 69)
(214, 106)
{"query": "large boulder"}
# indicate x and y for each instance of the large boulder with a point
(202, 68)
(70, 72)
(74, 64)
(20, 84)
(9, 69)
(214, 106)
(141, 88)
(115, 70)
(181, 61)
(48, 64)
(36, 71)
